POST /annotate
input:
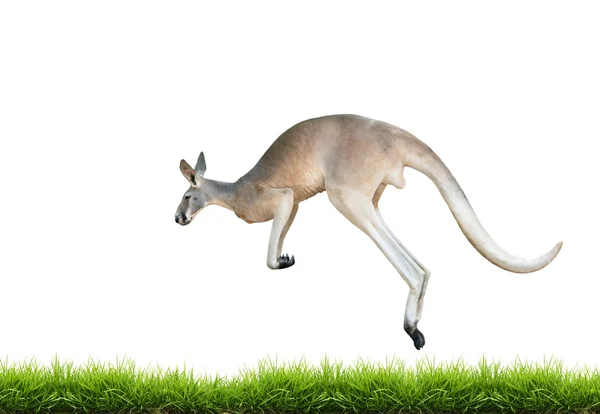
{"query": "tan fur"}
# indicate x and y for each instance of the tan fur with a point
(353, 158)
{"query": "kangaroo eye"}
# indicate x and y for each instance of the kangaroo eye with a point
(187, 197)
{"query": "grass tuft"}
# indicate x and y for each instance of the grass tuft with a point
(297, 387)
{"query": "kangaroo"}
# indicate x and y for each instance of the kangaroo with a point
(353, 159)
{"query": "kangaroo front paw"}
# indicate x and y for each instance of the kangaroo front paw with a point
(285, 261)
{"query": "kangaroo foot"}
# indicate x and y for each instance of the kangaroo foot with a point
(285, 261)
(418, 338)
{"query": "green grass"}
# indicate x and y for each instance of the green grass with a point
(297, 387)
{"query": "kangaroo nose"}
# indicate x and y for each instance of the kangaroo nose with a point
(180, 217)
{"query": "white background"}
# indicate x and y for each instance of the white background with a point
(99, 102)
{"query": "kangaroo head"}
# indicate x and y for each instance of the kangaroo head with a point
(195, 198)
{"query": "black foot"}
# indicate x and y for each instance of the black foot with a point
(285, 261)
(418, 339)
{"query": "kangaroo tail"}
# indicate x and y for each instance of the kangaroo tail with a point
(428, 163)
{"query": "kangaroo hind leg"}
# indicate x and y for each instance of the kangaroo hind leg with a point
(359, 210)
(407, 253)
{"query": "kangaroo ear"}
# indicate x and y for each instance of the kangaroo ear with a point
(188, 172)
(200, 165)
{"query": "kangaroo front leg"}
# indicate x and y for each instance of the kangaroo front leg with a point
(287, 226)
(281, 202)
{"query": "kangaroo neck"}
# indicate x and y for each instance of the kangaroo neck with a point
(220, 193)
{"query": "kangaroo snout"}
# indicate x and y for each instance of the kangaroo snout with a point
(181, 219)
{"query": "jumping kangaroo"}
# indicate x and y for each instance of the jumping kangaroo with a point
(354, 159)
